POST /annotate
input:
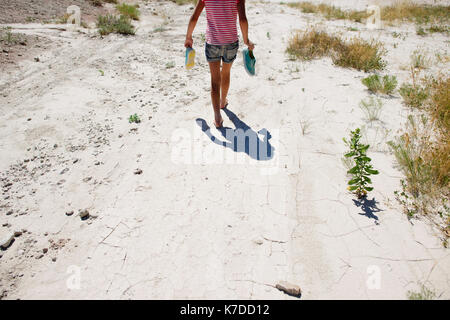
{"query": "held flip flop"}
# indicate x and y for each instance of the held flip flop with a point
(190, 58)
(249, 61)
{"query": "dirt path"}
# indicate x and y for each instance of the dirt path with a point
(200, 220)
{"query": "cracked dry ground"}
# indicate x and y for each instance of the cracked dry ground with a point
(189, 227)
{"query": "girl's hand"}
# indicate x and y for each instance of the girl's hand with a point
(188, 43)
(250, 45)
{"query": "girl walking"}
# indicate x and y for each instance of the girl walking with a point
(221, 45)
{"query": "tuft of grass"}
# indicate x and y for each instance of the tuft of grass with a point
(112, 24)
(385, 85)
(371, 108)
(357, 53)
(361, 55)
(10, 38)
(170, 65)
(413, 95)
(312, 44)
(423, 294)
(419, 60)
(130, 11)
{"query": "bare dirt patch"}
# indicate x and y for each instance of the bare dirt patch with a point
(22, 11)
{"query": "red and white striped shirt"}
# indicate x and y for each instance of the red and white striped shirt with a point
(221, 16)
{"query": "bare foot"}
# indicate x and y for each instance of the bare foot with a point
(224, 105)
(218, 121)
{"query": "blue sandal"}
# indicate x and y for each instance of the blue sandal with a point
(190, 58)
(249, 61)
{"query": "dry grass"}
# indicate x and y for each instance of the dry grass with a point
(401, 11)
(330, 12)
(423, 153)
(419, 13)
(356, 53)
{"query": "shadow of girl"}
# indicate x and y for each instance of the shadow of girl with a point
(242, 138)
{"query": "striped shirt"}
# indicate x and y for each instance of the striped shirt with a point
(221, 16)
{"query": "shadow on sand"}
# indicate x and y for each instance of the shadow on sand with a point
(242, 138)
(369, 207)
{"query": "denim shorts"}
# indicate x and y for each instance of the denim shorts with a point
(227, 52)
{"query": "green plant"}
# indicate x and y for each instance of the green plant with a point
(112, 24)
(424, 294)
(362, 169)
(375, 84)
(170, 65)
(414, 96)
(419, 60)
(130, 11)
(102, 73)
(134, 118)
(371, 108)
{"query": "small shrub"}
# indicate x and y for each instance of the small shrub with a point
(413, 96)
(312, 44)
(361, 55)
(385, 85)
(129, 11)
(357, 53)
(134, 118)
(111, 24)
(362, 169)
(371, 108)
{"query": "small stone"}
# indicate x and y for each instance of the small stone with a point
(84, 214)
(10, 212)
(17, 233)
(138, 171)
(45, 250)
(54, 259)
(69, 213)
(6, 241)
(288, 288)
(258, 241)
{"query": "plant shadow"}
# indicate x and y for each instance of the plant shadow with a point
(242, 138)
(369, 208)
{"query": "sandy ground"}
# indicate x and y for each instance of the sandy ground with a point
(200, 220)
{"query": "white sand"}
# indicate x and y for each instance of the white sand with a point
(202, 229)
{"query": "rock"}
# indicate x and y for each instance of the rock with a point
(258, 241)
(10, 212)
(17, 233)
(69, 213)
(45, 250)
(6, 241)
(138, 171)
(54, 259)
(84, 214)
(288, 288)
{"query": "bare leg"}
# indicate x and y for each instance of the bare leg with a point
(225, 83)
(214, 67)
